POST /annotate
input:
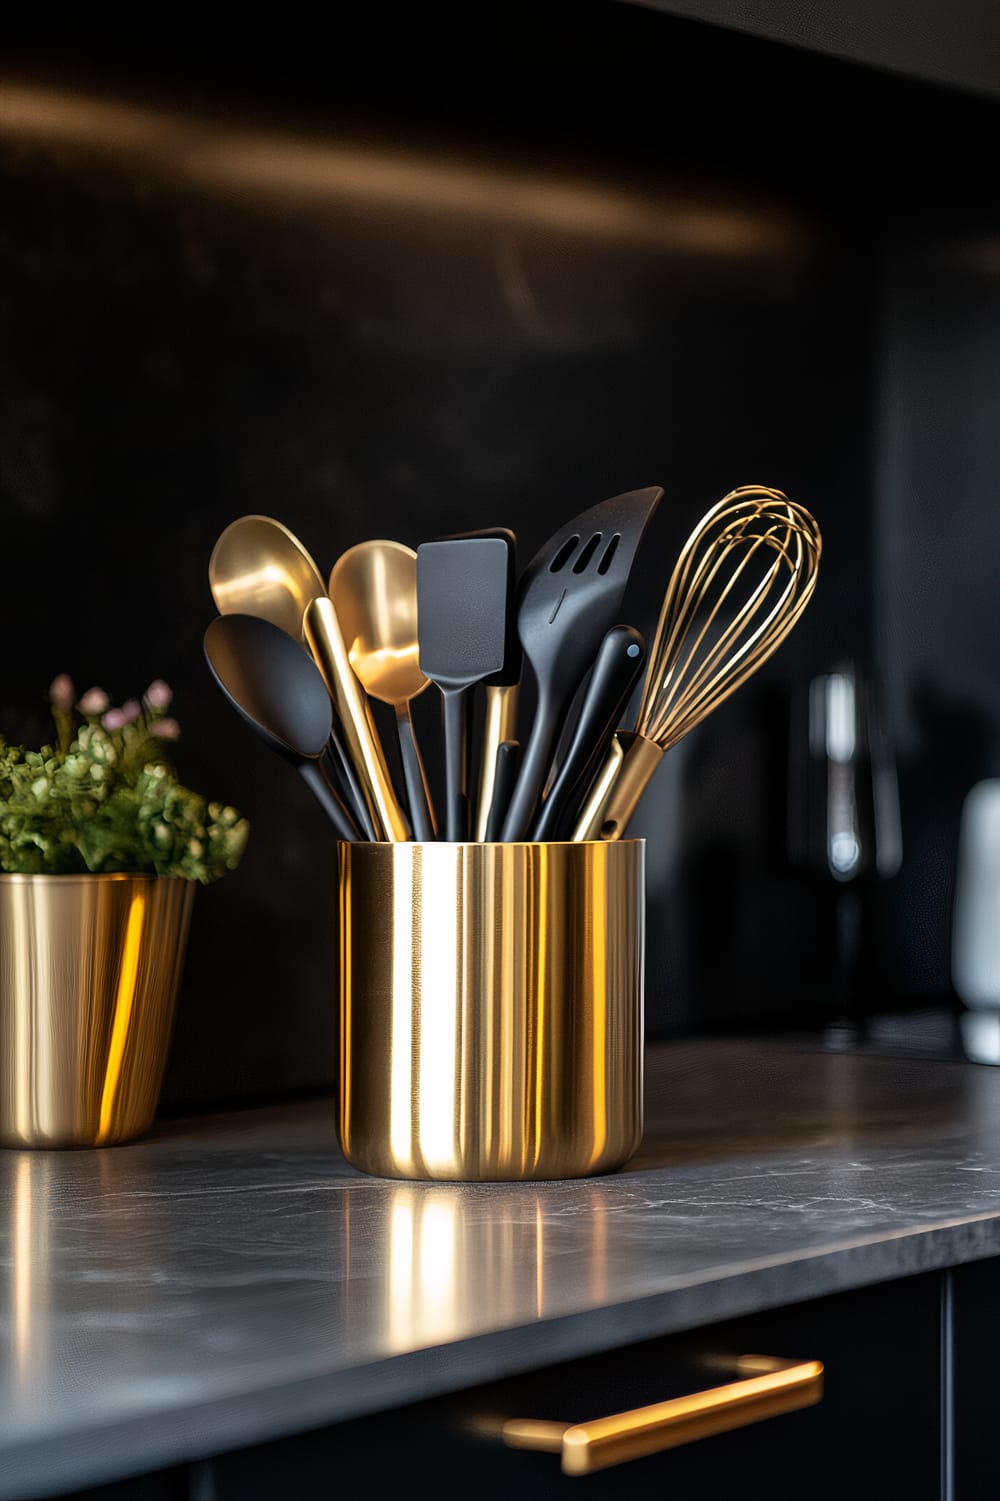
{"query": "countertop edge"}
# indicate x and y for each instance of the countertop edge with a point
(197, 1428)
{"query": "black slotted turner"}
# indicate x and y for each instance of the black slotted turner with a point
(570, 596)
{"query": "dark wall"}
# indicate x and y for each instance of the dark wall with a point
(937, 545)
(419, 280)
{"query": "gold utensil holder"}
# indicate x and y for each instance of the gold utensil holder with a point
(491, 1008)
(89, 970)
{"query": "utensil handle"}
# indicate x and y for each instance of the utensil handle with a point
(345, 783)
(499, 725)
(325, 640)
(620, 783)
(332, 806)
(617, 665)
(456, 764)
(533, 769)
(417, 792)
(508, 759)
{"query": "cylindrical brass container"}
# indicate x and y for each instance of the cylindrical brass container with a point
(89, 969)
(491, 1008)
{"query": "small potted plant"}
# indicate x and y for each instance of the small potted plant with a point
(101, 852)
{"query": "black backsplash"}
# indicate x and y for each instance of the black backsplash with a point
(410, 283)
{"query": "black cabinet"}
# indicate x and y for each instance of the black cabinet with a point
(907, 1410)
(973, 1306)
(876, 1433)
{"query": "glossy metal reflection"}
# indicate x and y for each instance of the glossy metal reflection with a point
(89, 969)
(373, 589)
(769, 1387)
(491, 1008)
(453, 1270)
(258, 567)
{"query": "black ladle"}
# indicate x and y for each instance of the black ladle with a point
(278, 690)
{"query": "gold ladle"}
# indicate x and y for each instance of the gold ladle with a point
(373, 587)
(258, 567)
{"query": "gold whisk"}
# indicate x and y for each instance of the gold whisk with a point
(742, 580)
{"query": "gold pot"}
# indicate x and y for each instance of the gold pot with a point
(89, 970)
(491, 1008)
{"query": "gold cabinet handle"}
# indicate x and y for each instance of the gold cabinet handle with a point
(769, 1387)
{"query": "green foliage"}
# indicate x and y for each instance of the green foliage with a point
(105, 797)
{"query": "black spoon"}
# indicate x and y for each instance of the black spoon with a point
(616, 667)
(278, 690)
(570, 595)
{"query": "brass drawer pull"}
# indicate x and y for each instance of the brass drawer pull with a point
(769, 1387)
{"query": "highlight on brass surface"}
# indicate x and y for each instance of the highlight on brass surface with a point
(491, 1008)
(373, 588)
(499, 724)
(89, 970)
(326, 642)
(742, 580)
(258, 567)
(769, 1387)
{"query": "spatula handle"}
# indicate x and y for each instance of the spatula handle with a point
(414, 777)
(456, 764)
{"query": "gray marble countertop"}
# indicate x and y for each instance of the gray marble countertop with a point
(230, 1279)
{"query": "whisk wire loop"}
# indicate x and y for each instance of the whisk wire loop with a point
(706, 645)
(670, 682)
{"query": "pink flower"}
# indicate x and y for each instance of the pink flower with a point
(130, 710)
(159, 694)
(165, 729)
(114, 719)
(94, 701)
(62, 694)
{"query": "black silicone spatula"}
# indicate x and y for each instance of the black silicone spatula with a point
(571, 593)
(278, 690)
(462, 604)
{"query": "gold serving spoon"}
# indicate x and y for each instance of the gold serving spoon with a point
(258, 567)
(373, 587)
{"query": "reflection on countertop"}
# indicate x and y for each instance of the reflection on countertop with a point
(232, 1278)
